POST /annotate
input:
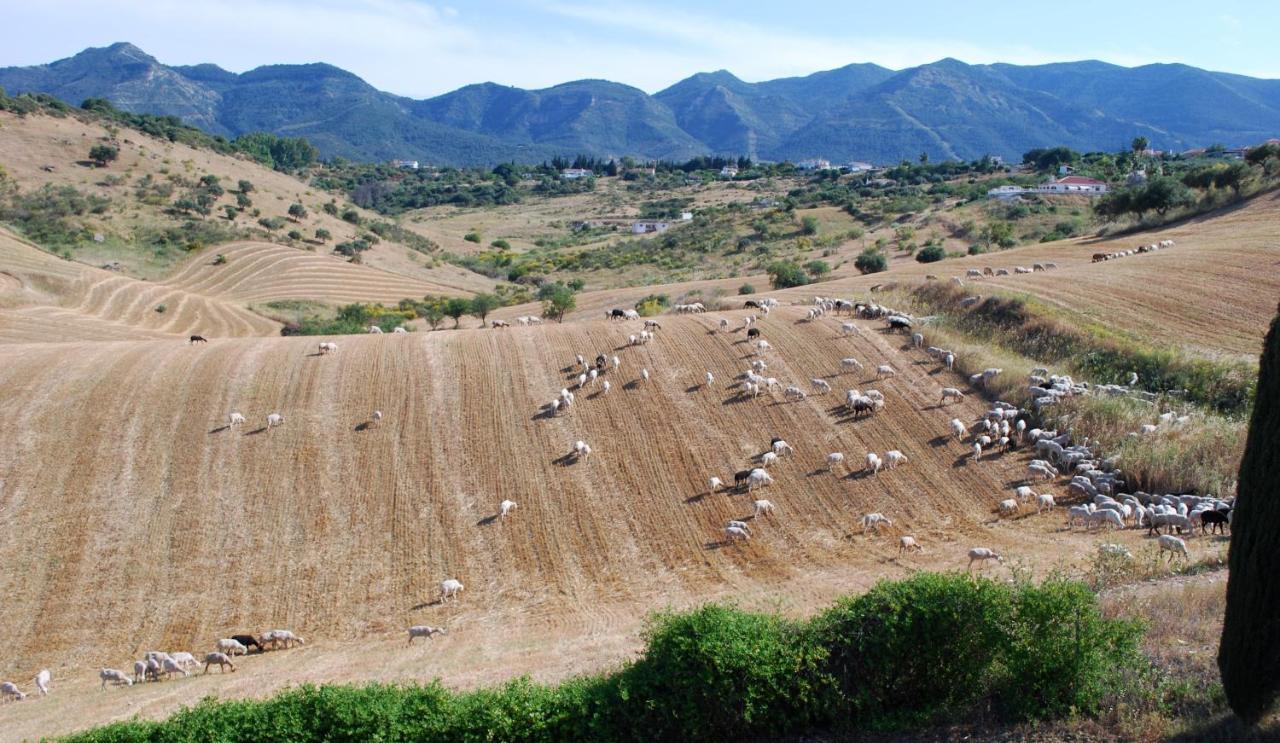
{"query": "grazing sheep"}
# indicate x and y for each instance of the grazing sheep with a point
(141, 670)
(977, 452)
(917, 340)
(758, 478)
(1044, 502)
(874, 463)
(949, 360)
(221, 659)
(833, 459)
(884, 371)
(848, 365)
(506, 507)
(768, 458)
(1106, 517)
(908, 543)
(10, 689)
(893, 458)
(740, 525)
(235, 419)
(581, 450)
(794, 393)
(762, 346)
(114, 676)
(958, 429)
(644, 374)
(42, 682)
(781, 447)
(820, 385)
(326, 347)
(185, 659)
(873, 521)
(616, 362)
(714, 485)
(951, 393)
(277, 637)
(848, 328)
(1173, 546)
(733, 533)
(169, 666)
(400, 329)
(710, 379)
(724, 324)
(375, 330)
(582, 381)
(232, 647)
(607, 386)
(1024, 493)
(422, 630)
(763, 507)
(1008, 507)
(982, 555)
(273, 420)
(449, 588)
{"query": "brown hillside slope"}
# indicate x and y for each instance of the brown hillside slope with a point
(29, 144)
(1213, 292)
(131, 518)
(44, 299)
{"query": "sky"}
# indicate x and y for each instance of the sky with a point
(420, 49)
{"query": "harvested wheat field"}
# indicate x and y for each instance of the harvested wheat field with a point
(46, 299)
(133, 518)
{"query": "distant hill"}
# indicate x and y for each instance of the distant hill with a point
(861, 111)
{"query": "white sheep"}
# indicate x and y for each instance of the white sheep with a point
(958, 429)
(506, 507)
(273, 420)
(732, 533)
(114, 676)
(185, 659)
(758, 479)
(850, 364)
(235, 419)
(982, 555)
(794, 393)
(977, 452)
(1172, 545)
(740, 525)
(908, 543)
(951, 393)
(42, 680)
(724, 324)
(768, 459)
(714, 485)
(607, 386)
(231, 647)
(884, 371)
(326, 347)
(874, 463)
(221, 659)
(848, 328)
(763, 507)
(950, 361)
(616, 362)
(496, 323)
(449, 588)
(284, 637)
(582, 381)
(644, 374)
(917, 340)
(833, 459)
(169, 666)
(375, 330)
(781, 447)
(820, 385)
(140, 670)
(762, 346)
(873, 522)
(1024, 493)
(581, 450)
(422, 630)
(1044, 502)
(893, 458)
(1008, 507)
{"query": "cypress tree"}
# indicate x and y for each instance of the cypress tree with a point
(1249, 656)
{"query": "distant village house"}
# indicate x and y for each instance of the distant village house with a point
(570, 174)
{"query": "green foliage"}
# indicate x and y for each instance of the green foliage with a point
(557, 300)
(279, 153)
(817, 269)
(472, 237)
(294, 235)
(456, 307)
(322, 235)
(272, 223)
(102, 154)
(350, 319)
(244, 186)
(220, 259)
(1249, 655)
(1047, 160)
(500, 244)
(871, 261)
(931, 254)
(352, 216)
(297, 212)
(654, 304)
(809, 225)
(482, 304)
(784, 274)
(746, 289)
(50, 215)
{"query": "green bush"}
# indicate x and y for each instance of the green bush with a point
(472, 237)
(784, 274)
(871, 261)
(654, 304)
(931, 254)
(746, 289)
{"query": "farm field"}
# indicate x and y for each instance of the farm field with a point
(125, 478)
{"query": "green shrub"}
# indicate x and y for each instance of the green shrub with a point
(746, 289)
(654, 304)
(931, 254)
(817, 269)
(272, 223)
(871, 261)
(472, 237)
(501, 244)
(784, 274)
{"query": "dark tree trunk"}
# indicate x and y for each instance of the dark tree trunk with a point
(1249, 656)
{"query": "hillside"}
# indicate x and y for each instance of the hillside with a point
(343, 531)
(864, 112)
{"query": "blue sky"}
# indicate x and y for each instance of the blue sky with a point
(420, 48)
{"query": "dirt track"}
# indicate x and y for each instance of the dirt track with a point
(132, 519)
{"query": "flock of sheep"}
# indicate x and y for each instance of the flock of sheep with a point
(1153, 247)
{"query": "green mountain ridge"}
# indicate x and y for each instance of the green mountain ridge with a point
(857, 112)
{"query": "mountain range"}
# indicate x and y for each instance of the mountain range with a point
(947, 109)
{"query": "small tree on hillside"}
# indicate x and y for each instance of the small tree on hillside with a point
(102, 154)
(784, 274)
(432, 310)
(456, 308)
(244, 186)
(557, 300)
(1249, 654)
(1139, 145)
(871, 261)
(297, 212)
(482, 304)
(322, 235)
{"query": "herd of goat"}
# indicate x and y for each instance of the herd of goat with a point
(1097, 482)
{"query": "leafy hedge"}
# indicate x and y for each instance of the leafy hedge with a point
(928, 649)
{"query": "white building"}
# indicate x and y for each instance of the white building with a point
(644, 227)
(729, 171)
(815, 163)
(570, 174)
(1006, 192)
(1074, 184)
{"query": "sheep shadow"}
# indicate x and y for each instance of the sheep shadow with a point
(487, 520)
(818, 472)
(566, 460)
(256, 431)
(696, 498)
(718, 545)
(623, 347)
(313, 355)
(736, 399)
(860, 474)
(363, 426)
(694, 388)
(220, 429)
(542, 415)
(937, 441)
(426, 605)
(962, 461)
(632, 385)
